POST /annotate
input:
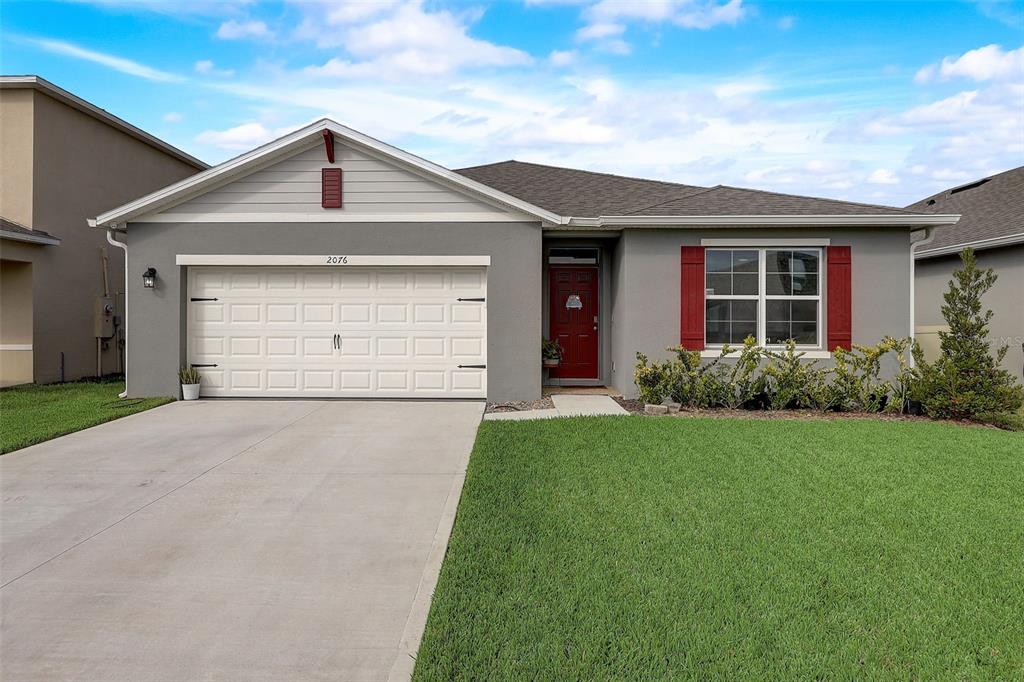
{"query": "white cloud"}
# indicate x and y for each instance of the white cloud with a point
(121, 64)
(173, 117)
(786, 23)
(599, 31)
(883, 176)
(698, 14)
(239, 138)
(983, 64)
(239, 30)
(740, 88)
(404, 40)
(563, 57)
(208, 68)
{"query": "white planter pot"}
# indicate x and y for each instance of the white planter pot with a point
(550, 363)
(190, 391)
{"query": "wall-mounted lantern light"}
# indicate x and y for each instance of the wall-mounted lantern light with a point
(149, 278)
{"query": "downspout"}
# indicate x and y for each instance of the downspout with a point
(929, 235)
(123, 247)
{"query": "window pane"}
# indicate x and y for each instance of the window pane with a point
(777, 284)
(719, 284)
(777, 311)
(805, 261)
(741, 330)
(730, 321)
(744, 310)
(716, 311)
(717, 261)
(776, 332)
(744, 284)
(717, 332)
(778, 261)
(744, 261)
(805, 285)
(805, 311)
(805, 333)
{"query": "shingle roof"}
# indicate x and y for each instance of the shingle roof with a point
(725, 200)
(572, 192)
(579, 193)
(15, 229)
(991, 207)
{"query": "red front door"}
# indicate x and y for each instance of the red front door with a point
(574, 320)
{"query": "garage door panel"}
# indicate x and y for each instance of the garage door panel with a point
(358, 332)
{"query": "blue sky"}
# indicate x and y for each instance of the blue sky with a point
(882, 102)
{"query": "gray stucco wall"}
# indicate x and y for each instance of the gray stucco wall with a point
(156, 325)
(647, 297)
(1005, 299)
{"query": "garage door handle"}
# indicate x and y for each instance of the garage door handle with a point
(479, 300)
(472, 366)
(203, 299)
(195, 365)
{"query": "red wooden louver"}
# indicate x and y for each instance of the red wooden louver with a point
(840, 298)
(691, 317)
(331, 188)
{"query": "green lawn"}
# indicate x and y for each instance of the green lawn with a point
(31, 414)
(634, 548)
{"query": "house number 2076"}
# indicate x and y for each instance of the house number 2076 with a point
(337, 260)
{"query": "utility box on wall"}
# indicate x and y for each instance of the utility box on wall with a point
(103, 317)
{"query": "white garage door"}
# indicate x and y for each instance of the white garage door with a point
(339, 332)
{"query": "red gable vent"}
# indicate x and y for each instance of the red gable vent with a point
(331, 188)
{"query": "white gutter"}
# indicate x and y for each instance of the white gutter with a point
(904, 220)
(123, 247)
(929, 235)
(977, 245)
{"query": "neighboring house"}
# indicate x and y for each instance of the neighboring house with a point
(993, 225)
(63, 160)
(327, 263)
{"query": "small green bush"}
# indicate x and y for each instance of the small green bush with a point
(966, 381)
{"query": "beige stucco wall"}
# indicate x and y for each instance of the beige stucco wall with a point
(15, 322)
(1005, 299)
(16, 155)
(81, 167)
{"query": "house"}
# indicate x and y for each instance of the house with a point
(328, 263)
(62, 160)
(993, 225)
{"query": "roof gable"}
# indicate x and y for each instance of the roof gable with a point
(297, 152)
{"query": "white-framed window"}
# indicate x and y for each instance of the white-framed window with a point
(772, 294)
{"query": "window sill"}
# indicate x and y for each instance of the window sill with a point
(807, 354)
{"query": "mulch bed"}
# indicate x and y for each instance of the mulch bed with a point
(544, 403)
(637, 407)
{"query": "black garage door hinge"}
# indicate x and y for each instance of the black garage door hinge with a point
(204, 299)
(195, 365)
(480, 300)
(472, 366)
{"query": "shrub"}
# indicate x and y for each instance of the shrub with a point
(966, 381)
(789, 381)
(650, 380)
(856, 384)
(738, 383)
(188, 375)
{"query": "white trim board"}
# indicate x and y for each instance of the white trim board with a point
(765, 242)
(977, 245)
(332, 218)
(807, 354)
(326, 260)
(16, 346)
(854, 220)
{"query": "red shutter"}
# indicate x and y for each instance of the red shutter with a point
(331, 186)
(840, 298)
(691, 317)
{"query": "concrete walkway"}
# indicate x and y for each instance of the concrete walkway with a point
(224, 540)
(566, 405)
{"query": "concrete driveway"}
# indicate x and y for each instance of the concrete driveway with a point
(228, 540)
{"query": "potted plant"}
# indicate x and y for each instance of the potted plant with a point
(189, 377)
(550, 353)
